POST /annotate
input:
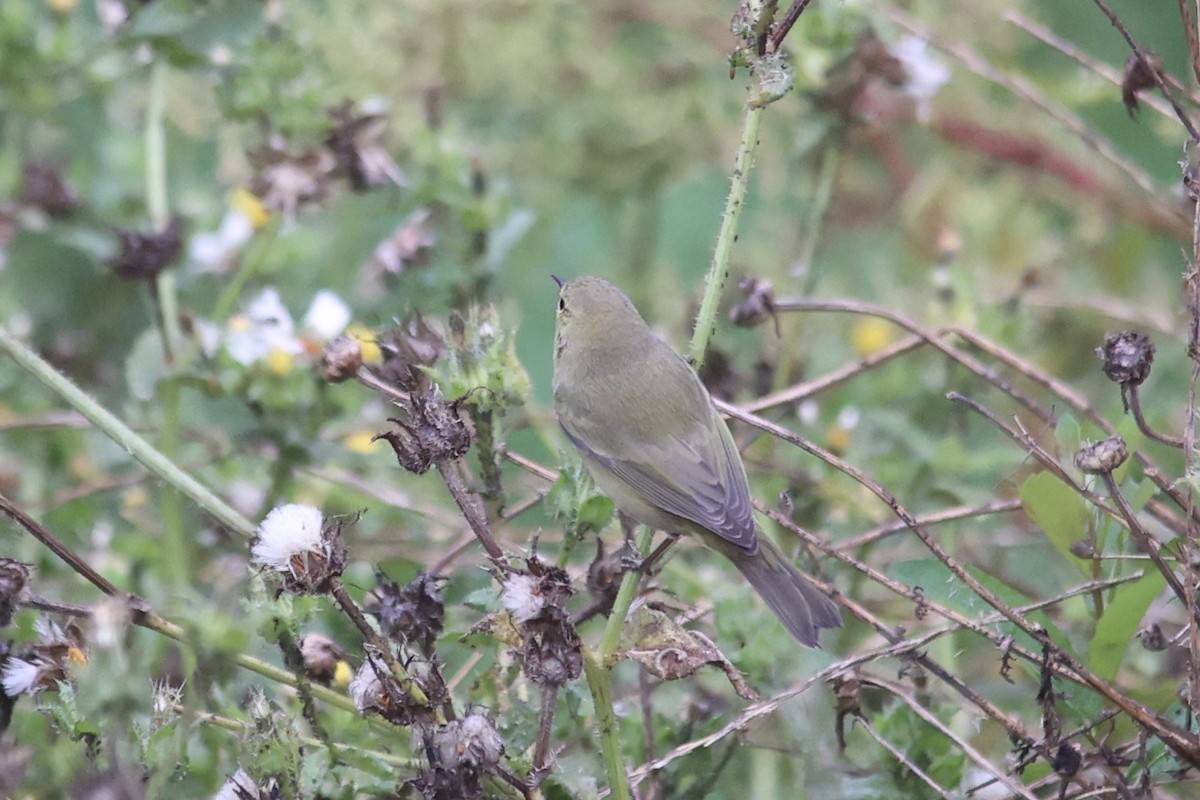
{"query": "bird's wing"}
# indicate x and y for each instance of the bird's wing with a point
(689, 476)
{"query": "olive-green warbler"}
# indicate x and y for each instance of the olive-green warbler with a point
(655, 444)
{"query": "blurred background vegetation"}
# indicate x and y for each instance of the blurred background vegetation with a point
(425, 156)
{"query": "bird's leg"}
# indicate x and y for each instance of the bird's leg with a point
(646, 565)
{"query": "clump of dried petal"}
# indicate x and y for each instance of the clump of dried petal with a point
(340, 359)
(285, 182)
(407, 246)
(410, 344)
(323, 658)
(47, 662)
(354, 141)
(670, 652)
(758, 303)
(550, 653)
(294, 542)
(1127, 357)
(1138, 75)
(14, 582)
(142, 256)
(414, 613)
(432, 432)
(44, 187)
(1102, 457)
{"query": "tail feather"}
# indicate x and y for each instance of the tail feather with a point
(802, 608)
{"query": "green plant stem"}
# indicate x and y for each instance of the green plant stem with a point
(625, 595)
(822, 196)
(606, 719)
(597, 665)
(176, 545)
(123, 435)
(157, 205)
(719, 271)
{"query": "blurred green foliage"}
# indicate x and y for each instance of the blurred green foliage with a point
(446, 158)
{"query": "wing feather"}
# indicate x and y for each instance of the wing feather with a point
(690, 476)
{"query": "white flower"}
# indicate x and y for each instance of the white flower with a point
(926, 72)
(287, 532)
(214, 252)
(327, 316)
(848, 418)
(266, 331)
(520, 596)
(265, 328)
(19, 676)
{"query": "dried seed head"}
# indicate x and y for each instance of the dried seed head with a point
(758, 303)
(1139, 74)
(354, 139)
(340, 359)
(433, 432)
(1153, 638)
(412, 614)
(551, 652)
(1067, 760)
(43, 186)
(14, 579)
(471, 743)
(1084, 547)
(1127, 357)
(294, 542)
(142, 256)
(1102, 457)
(409, 345)
(375, 691)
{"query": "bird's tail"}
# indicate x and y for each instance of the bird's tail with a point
(801, 607)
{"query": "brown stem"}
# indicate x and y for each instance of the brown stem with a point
(37, 531)
(1135, 405)
(541, 750)
(449, 470)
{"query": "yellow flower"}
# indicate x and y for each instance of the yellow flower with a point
(371, 354)
(279, 361)
(247, 202)
(62, 6)
(360, 442)
(871, 334)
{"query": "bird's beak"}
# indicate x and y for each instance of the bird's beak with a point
(558, 280)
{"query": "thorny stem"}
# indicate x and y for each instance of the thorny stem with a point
(123, 435)
(625, 596)
(606, 719)
(719, 271)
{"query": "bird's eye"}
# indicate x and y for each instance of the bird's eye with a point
(562, 304)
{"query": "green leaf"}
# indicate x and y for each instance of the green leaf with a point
(1059, 512)
(1120, 622)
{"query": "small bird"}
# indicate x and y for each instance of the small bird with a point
(651, 437)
